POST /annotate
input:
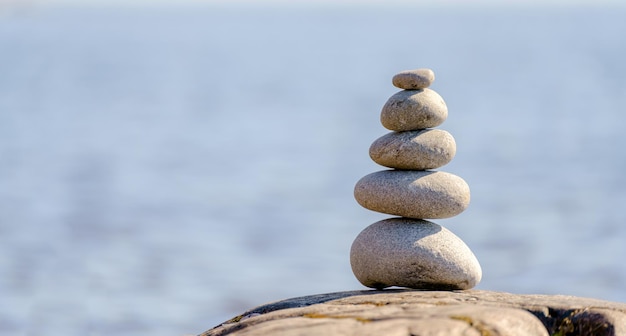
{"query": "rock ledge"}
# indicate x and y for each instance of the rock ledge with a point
(414, 312)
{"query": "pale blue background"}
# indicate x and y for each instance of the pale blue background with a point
(163, 169)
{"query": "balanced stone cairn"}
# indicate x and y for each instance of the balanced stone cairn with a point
(409, 251)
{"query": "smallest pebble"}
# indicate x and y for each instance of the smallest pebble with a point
(414, 79)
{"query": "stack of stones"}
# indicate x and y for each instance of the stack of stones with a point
(409, 251)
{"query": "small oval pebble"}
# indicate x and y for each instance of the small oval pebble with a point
(413, 79)
(411, 110)
(413, 253)
(413, 193)
(416, 150)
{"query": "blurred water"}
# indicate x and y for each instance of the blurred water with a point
(162, 170)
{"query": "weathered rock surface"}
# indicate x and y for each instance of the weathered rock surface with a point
(429, 313)
(414, 150)
(413, 79)
(413, 253)
(413, 194)
(411, 110)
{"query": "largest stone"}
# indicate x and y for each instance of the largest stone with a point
(413, 253)
(413, 194)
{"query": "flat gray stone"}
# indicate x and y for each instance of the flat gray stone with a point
(414, 79)
(414, 150)
(411, 110)
(430, 321)
(413, 253)
(413, 194)
(429, 313)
